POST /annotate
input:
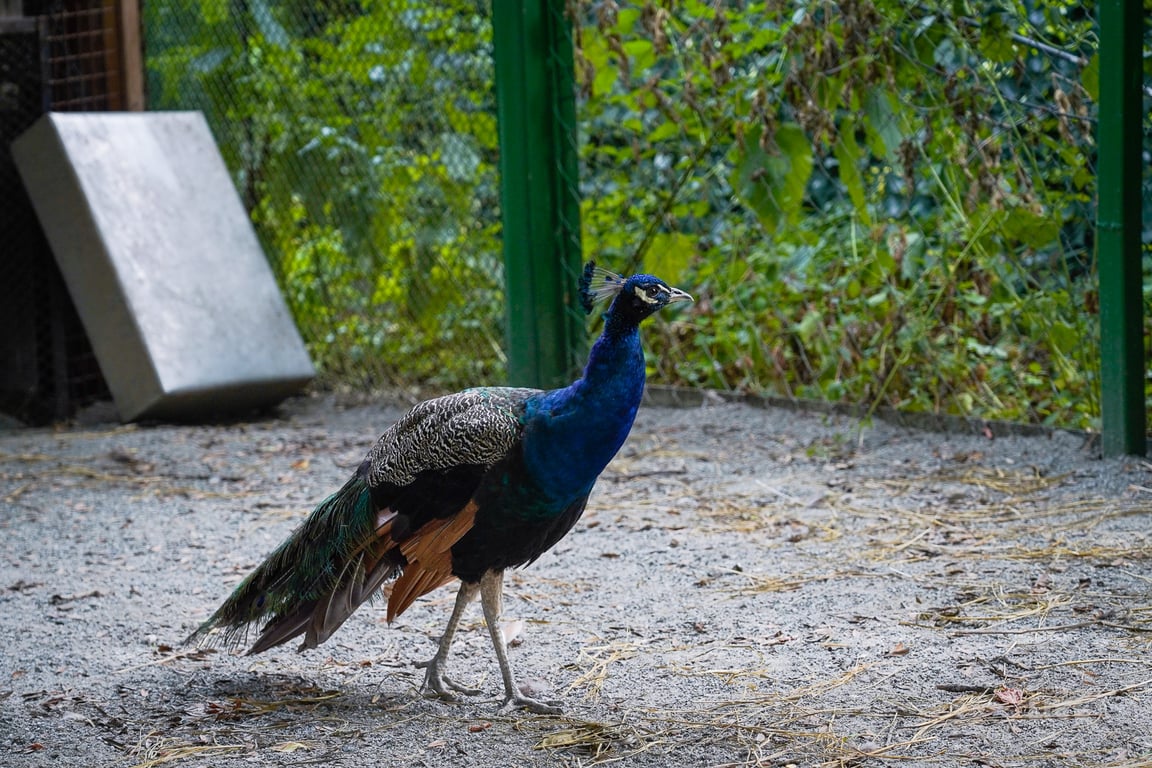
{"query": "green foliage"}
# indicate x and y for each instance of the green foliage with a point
(770, 174)
(362, 138)
(887, 202)
(876, 201)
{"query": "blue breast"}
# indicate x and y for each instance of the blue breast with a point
(571, 434)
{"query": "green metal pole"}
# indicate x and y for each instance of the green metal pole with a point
(1118, 228)
(535, 102)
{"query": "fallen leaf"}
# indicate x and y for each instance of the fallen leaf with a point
(899, 650)
(1012, 696)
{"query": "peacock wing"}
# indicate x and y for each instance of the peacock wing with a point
(476, 427)
(422, 473)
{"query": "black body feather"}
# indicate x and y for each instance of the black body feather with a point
(511, 530)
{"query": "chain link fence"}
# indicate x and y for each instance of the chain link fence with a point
(362, 139)
(888, 203)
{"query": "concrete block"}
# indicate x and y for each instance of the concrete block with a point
(162, 263)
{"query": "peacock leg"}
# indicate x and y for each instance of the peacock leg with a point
(436, 677)
(491, 597)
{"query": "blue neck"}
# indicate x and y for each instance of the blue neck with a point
(572, 433)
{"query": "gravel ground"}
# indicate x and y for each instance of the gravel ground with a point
(749, 586)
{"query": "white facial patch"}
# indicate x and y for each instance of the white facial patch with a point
(643, 294)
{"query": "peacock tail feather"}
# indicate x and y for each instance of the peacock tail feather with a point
(303, 569)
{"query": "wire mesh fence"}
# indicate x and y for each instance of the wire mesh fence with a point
(60, 55)
(82, 62)
(880, 202)
(362, 138)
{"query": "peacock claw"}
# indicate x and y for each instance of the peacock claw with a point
(520, 701)
(440, 684)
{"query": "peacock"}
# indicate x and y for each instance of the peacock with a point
(463, 486)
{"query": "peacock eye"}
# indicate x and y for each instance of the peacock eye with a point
(649, 294)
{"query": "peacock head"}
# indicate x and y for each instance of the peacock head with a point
(633, 298)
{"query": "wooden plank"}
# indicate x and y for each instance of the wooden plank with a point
(113, 77)
(131, 56)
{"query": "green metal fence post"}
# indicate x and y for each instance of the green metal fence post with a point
(535, 103)
(1118, 228)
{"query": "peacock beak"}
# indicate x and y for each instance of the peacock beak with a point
(675, 295)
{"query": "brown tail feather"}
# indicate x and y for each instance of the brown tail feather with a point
(428, 553)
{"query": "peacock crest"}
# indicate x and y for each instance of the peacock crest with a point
(598, 284)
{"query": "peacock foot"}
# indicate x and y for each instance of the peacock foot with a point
(520, 700)
(439, 684)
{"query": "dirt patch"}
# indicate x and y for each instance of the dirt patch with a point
(748, 587)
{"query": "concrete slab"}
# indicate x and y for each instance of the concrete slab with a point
(162, 262)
